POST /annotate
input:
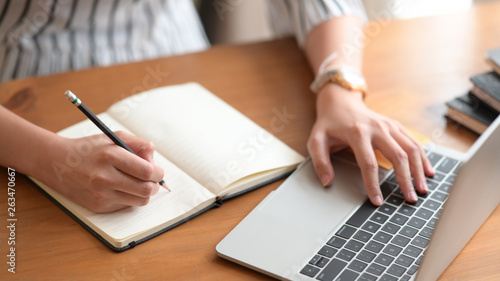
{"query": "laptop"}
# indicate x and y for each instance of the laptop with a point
(303, 231)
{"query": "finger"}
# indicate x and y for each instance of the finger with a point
(428, 169)
(400, 160)
(320, 155)
(132, 165)
(142, 189)
(143, 148)
(414, 152)
(365, 156)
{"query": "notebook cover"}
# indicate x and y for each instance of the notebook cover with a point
(489, 82)
(471, 106)
(132, 244)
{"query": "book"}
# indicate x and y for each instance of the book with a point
(487, 88)
(470, 112)
(209, 151)
(493, 59)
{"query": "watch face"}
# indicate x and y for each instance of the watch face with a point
(353, 77)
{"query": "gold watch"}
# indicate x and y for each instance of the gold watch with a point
(344, 76)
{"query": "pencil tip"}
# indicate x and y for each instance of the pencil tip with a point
(162, 183)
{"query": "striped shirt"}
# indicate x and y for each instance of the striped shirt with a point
(40, 37)
(299, 17)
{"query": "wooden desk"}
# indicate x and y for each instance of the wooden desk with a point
(412, 67)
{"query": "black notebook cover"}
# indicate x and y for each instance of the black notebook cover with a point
(487, 88)
(471, 112)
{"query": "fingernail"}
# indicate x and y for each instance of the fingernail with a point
(423, 184)
(378, 200)
(325, 179)
(413, 196)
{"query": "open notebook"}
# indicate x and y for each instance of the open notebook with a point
(208, 150)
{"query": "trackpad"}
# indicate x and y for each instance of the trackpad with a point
(302, 200)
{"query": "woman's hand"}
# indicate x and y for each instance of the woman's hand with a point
(343, 121)
(96, 173)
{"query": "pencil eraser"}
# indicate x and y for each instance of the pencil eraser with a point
(70, 96)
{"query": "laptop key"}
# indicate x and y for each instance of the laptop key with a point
(387, 209)
(336, 242)
(382, 237)
(409, 231)
(447, 165)
(375, 269)
(327, 251)
(387, 277)
(416, 222)
(309, 270)
(358, 266)
(354, 245)
(345, 255)
(367, 277)
(405, 278)
(396, 270)
(391, 228)
(432, 223)
(424, 214)
(365, 256)
(362, 214)
(399, 219)
(431, 204)
(451, 178)
(438, 176)
(392, 250)
(420, 241)
(346, 231)
(362, 236)
(406, 210)
(348, 275)
(395, 200)
(315, 259)
(439, 196)
(426, 232)
(434, 158)
(431, 184)
(379, 218)
(445, 187)
(404, 260)
(400, 240)
(370, 227)
(332, 270)
(374, 246)
(384, 259)
(412, 269)
(412, 251)
(386, 188)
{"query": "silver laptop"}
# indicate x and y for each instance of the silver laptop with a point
(303, 231)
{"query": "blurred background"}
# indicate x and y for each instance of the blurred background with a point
(245, 21)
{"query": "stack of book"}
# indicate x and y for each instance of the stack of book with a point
(478, 108)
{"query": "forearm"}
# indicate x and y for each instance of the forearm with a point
(343, 35)
(24, 145)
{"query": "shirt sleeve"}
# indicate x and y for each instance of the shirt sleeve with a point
(299, 17)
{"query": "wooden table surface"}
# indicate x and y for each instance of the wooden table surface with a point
(413, 67)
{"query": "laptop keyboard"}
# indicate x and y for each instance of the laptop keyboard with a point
(386, 242)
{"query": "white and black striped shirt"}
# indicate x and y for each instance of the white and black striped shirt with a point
(40, 37)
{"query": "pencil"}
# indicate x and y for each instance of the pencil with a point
(78, 103)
